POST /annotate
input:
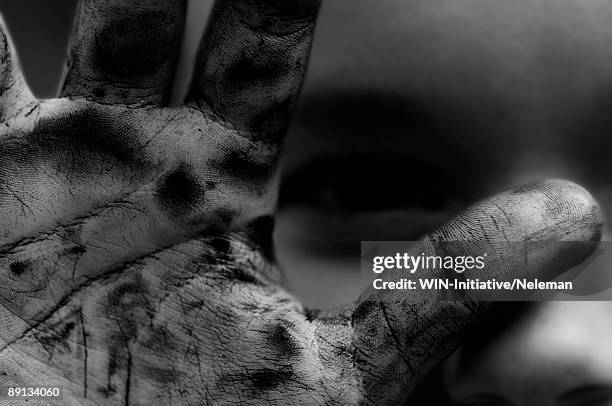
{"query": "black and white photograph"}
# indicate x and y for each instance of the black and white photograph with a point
(306, 202)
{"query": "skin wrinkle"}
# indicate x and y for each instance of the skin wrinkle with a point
(74, 291)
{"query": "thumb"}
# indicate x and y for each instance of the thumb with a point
(390, 338)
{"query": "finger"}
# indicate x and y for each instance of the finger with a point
(15, 96)
(124, 51)
(252, 61)
(398, 336)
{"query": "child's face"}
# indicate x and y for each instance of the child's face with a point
(444, 102)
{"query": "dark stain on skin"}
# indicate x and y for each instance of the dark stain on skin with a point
(283, 341)
(249, 70)
(312, 314)
(160, 339)
(179, 191)
(365, 310)
(99, 92)
(116, 358)
(89, 129)
(86, 139)
(257, 382)
(255, 307)
(226, 216)
(221, 246)
(283, 301)
(56, 336)
(135, 46)
(342, 350)
(64, 332)
(260, 231)
(19, 267)
(276, 17)
(271, 122)
(129, 304)
(193, 305)
(106, 391)
(77, 250)
(128, 295)
(240, 166)
(216, 224)
(244, 276)
(266, 379)
(161, 375)
(113, 359)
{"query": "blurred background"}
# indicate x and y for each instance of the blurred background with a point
(412, 110)
(40, 30)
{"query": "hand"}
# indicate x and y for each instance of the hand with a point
(136, 255)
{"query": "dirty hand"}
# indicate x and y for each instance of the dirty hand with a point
(136, 256)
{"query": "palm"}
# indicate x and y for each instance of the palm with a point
(136, 255)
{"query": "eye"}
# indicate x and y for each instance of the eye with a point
(348, 184)
(365, 166)
(484, 400)
(332, 203)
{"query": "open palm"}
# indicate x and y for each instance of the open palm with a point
(136, 255)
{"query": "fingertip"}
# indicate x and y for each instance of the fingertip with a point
(549, 210)
(568, 211)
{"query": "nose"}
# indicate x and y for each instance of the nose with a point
(553, 354)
